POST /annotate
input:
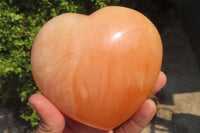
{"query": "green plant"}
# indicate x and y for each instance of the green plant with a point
(19, 23)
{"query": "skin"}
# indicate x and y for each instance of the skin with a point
(54, 121)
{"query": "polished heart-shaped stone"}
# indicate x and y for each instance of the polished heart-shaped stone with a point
(97, 69)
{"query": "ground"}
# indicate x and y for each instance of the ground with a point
(7, 123)
(178, 109)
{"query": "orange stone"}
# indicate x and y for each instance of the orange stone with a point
(97, 69)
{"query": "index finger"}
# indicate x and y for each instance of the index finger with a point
(160, 83)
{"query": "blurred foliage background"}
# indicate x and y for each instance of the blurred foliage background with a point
(20, 20)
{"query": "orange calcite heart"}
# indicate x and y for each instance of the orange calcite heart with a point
(97, 69)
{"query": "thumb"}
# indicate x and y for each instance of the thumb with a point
(52, 120)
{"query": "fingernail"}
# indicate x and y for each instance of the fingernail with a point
(32, 106)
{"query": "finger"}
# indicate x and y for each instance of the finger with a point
(52, 120)
(140, 119)
(160, 83)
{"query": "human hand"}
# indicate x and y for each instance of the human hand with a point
(53, 121)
